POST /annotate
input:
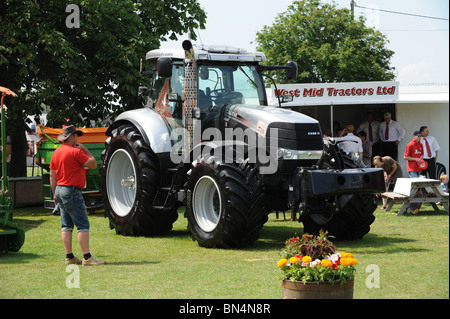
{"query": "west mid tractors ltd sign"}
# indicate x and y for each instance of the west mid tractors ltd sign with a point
(336, 93)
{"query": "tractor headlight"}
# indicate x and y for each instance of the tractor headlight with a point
(298, 154)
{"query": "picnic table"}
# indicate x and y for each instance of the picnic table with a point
(416, 190)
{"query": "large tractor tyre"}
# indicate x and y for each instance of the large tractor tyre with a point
(352, 221)
(224, 204)
(130, 180)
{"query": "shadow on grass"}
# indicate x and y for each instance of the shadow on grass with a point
(425, 210)
(132, 263)
(273, 236)
(27, 224)
(425, 213)
(178, 233)
(372, 243)
(23, 217)
(17, 257)
(31, 211)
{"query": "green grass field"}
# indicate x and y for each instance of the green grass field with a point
(408, 254)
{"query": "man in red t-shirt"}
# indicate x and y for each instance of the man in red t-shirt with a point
(413, 156)
(67, 179)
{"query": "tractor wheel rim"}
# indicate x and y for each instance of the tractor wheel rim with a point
(121, 182)
(207, 203)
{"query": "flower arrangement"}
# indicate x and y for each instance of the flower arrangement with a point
(311, 258)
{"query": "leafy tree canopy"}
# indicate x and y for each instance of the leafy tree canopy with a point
(86, 72)
(327, 44)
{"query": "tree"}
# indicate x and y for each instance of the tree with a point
(82, 60)
(327, 44)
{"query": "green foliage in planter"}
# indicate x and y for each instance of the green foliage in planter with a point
(314, 259)
(317, 247)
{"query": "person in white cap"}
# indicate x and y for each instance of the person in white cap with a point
(67, 179)
(391, 133)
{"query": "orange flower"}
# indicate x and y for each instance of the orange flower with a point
(294, 260)
(306, 259)
(326, 263)
(346, 255)
(282, 262)
(345, 261)
(348, 261)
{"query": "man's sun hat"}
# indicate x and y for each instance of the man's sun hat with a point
(67, 131)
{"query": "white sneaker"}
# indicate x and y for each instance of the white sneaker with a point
(93, 262)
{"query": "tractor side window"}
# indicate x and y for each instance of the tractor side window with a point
(168, 96)
(208, 80)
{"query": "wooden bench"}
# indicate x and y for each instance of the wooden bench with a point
(416, 190)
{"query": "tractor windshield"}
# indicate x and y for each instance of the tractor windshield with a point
(225, 84)
(219, 85)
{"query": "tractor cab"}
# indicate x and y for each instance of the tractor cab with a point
(223, 76)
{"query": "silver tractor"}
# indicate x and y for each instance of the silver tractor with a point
(207, 139)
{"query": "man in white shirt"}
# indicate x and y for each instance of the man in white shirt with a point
(372, 128)
(430, 152)
(354, 143)
(391, 133)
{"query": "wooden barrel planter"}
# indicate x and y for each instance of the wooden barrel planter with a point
(314, 290)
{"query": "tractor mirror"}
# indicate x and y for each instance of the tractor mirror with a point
(204, 73)
(143, 90)
(291, 70)
(164, 67)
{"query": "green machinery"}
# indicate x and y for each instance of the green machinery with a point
(11, 236)
(49, 144)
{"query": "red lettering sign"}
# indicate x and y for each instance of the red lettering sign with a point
(284, 92)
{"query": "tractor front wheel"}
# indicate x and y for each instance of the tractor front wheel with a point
(130, 181)
(224, 204)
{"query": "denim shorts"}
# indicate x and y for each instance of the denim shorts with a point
(72, 207)
(414, 174)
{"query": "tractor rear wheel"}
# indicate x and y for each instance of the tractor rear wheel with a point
(130, 181)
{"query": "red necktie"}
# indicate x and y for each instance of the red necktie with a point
(428, 147)
(386, 133)
(370, 133)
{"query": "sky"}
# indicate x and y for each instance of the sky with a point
(421, 45)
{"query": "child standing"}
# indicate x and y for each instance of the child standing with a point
(444, 183)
